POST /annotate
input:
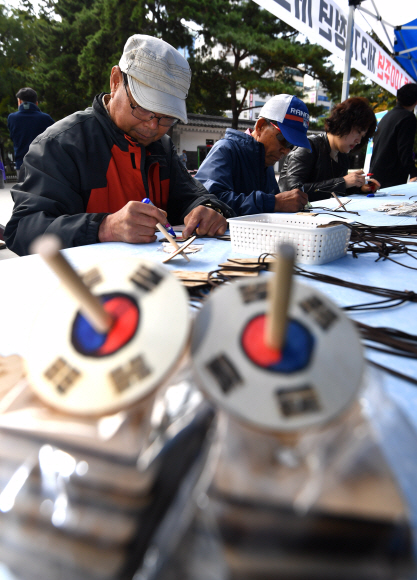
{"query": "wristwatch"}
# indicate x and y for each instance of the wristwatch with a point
(215, 207)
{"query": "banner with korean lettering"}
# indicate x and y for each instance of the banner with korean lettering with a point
(325, 23)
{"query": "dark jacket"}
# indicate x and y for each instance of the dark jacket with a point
(392, 157)
(83, 168)
(24, 126)
(316, 170)
(234, 170)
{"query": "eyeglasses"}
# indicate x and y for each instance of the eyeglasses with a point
(144, 115)
(281, 137)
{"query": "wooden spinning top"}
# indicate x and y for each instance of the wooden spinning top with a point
(303, 373)
(107, 339)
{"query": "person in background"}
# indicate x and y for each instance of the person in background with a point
(239, 169)
(324, 169)
(87, 175)
(392, 158)
(26, 124)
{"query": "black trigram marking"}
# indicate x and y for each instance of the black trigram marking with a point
(62, 375)
(253, 292)
(224, 372)
(134, 370)
(298, 401)
(319, 312)
(146, 278)
(92, 277)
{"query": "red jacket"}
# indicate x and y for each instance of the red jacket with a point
(83, 168)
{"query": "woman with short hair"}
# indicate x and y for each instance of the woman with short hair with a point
(325, 168)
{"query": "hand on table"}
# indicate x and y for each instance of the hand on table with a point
(369, 188)
(355, 179)
(209, 222)
(135, 223)
(413, 179)
(290, 201)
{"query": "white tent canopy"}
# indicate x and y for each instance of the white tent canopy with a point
(326, 22)
(392, 13)
(378, 12)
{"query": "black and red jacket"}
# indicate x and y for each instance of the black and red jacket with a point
(83, 168)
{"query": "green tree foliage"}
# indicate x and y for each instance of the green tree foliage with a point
(208, 93)
(66, 52)
(245, 33)
(78, 41)
(379, 98)
(116, 21)
(62, 29)
(18, 49)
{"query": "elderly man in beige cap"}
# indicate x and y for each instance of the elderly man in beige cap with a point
(86, 176)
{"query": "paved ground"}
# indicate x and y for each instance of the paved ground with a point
(6, 208)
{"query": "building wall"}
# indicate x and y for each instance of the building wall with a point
(317, 95)
(190, 137)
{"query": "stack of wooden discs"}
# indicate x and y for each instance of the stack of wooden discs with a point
(299, 476)
(76, 502)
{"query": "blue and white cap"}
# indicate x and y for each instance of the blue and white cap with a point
(292, 117)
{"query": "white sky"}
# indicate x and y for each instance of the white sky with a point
(15, 4)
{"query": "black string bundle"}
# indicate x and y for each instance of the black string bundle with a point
(387, 340)
(393, 341)
(396, 343)
(383, 240)
(391, 297)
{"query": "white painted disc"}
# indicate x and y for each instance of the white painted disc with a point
(118, 373)
(318, 377)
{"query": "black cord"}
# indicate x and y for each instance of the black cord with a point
(389, 303)
(334, 213)
(393, 372)
(388, 294)
(386, 340)
(391, 352)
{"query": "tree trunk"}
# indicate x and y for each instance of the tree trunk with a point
(233, 99)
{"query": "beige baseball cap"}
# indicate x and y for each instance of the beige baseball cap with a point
(159, 76)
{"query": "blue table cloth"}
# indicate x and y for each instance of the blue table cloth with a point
(27, 281)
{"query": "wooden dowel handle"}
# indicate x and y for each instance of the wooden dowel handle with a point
(171, 240)
(279, 297)
(341, 204)
(48, 247)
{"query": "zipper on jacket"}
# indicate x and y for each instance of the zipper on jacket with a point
(142, 169)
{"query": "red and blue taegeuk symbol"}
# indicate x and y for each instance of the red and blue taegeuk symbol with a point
(125, 312)
(294, 356)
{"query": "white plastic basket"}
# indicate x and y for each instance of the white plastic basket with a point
(259, 233)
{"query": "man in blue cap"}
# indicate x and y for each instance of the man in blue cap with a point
(239, 168)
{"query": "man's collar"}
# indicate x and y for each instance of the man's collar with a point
(28, 106)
